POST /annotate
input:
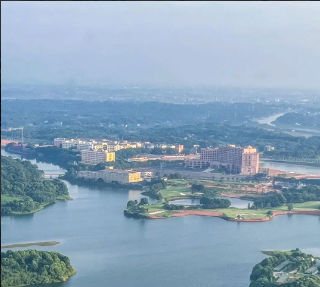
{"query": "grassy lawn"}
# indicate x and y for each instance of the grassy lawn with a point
(302, 206)
(172, 191)
(6, 198)
(245, 213)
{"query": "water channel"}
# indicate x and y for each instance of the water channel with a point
(108, 249)
(270, 119)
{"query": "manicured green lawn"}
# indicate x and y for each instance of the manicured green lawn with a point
(6, 198)
(172, 191)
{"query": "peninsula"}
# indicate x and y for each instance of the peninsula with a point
(24, 191)
(214, 201)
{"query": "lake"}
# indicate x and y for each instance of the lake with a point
(291, 167)
(108, 249)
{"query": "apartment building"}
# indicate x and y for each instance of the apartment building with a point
(111, 175)
(68, 143)
(94, 157)
(234, 158)
(83, 145)
(64, 143)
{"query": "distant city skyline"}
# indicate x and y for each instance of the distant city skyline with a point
(162, 44)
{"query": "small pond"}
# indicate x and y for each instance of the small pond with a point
(235, 202)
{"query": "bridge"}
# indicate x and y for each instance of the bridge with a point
(51, 174)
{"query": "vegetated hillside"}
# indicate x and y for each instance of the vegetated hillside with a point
(213, 134)
(23, 190)
(299, 120)
(29, 267)
(83, 113)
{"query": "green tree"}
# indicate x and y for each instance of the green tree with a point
(144, 201)
(269, 213)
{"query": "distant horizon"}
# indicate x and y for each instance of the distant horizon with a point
(137, 86)
(162, 44)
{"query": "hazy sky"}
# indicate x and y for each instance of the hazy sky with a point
(271, 44)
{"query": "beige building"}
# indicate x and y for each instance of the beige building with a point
(94, 157)
(250, 161)
(110, 175)
(229, 156)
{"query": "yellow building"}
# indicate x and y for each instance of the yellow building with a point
(111, 156)
(134, 176)
(110, 175)
(180, 148)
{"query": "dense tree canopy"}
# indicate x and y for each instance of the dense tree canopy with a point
(23, 190)
(29, 267)
(289, 195)
(262, 273)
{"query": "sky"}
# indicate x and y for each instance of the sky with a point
(258, 44)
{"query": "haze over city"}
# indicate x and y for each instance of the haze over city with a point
(158, 144)
(258, 44)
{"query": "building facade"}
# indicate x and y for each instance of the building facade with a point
(250, 161)
(94, 157)
(112, 175)
(233, 158)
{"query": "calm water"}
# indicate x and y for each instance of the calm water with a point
(303, 169)
(270, 119)
(235, 202)
(108, 249)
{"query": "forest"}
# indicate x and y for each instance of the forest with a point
(23, 190)
(301, 120)
(72, 113)
(30, 267)
(289, 195)
(262, 273)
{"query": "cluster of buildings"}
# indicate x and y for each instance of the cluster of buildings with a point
(109, 174)
(100, 151)
(110, 145)
(284, 273)
(237, 160)
(85, 144)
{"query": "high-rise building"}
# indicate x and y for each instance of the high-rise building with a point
(231, 157)
(250, 161)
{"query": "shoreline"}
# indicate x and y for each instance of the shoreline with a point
(220, 215)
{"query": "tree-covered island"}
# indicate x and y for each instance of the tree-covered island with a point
(23, 190)
(30, 267)
(213, 201)
(286, 268)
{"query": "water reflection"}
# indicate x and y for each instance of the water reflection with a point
(235, 202)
